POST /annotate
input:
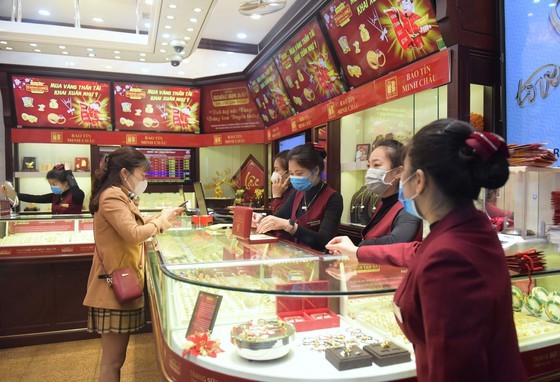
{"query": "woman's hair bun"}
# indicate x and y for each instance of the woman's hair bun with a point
(492, 173)
(320, 149)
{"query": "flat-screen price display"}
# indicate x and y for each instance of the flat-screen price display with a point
(307, 67)
(169, 165)
(372, 38)
(61, 103)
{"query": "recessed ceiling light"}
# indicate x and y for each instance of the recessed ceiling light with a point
(8, 48)
(230, 53)
(536, 1)
(172, 6)
(168, 27)
(44, 12)
(91, 54)
(273, 4)
(552, 4)
(530, 14)
(37, 50)
(190, 30)
(187, 38)
(108, 67)
(32, 44)
(62, 47)
(143, 54)
(64, 52)
(117, 51)
(165, 35)
(142, 59)
(193, 20)
(117, 57)
(89, 49)
(255, 16)
(162, 51)
(98, 19)
(147, 25)
(164, 43)
(3, 42)
(170, 17)
(197, 10)
(241, 36)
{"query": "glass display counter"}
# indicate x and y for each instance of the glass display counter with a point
(205, 278)
(44, 267)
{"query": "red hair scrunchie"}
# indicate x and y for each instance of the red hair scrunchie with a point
(487, 144)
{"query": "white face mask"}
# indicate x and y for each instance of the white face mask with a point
(140, 187)
(275, 177)
(375, 180)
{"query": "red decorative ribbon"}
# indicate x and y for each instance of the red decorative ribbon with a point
(487, 144)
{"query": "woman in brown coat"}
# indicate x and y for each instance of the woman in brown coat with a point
(120, 231)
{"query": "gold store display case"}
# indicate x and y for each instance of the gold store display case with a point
(279, 315)
(44, 267)
(36, 235)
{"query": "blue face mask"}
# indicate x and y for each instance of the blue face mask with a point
(56, 190)
(409, 204)
(301, 183)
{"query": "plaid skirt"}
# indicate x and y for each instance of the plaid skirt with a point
(105, 321)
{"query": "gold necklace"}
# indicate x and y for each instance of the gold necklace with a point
(306, 206)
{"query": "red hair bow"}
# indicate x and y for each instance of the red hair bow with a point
(316, 146)
(487, 144)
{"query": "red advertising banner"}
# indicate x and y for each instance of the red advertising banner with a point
(372, 38)
(136, 138)
(428, 73)
(307, 67)
(229, 107)
(61, 103)
(156, 108)
(270, 94)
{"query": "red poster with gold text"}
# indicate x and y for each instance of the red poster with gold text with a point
(165, 109)
(307, 67)
(372, 38)
(61, 103)
(269, 93)
(229, 107)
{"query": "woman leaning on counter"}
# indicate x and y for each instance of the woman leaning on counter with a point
(120, 231)
(311, 215)
(66, 196)
(454, 303)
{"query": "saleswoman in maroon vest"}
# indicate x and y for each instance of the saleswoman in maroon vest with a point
(66, 196)
(311, 215)
(390, 223)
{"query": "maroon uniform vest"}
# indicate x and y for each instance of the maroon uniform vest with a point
(311, 219)
(383, 227)
(64, 205)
